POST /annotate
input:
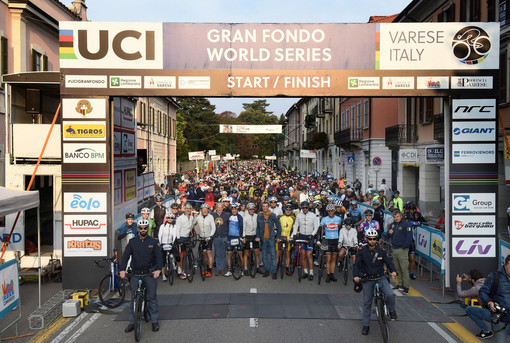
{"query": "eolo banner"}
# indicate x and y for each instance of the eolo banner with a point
(455, 60)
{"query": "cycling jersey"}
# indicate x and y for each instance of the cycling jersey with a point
(206, 226)
(235, 225)
(287, 223)
(373, 224)
(184, 225)
(250, 225)
(276, 210)
(356, 214)
(167, 233)
(331, 226)
(306, 224)
(348, 237)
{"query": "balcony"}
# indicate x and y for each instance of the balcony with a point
(439, 127)
(347, 137)
(400, 134)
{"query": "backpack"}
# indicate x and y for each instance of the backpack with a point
(494, 288)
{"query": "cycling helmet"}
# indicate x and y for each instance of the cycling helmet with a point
(338, 203)
(317, 197)
(158, 197)
(371, 233)
(310, 194)
(145, 210)
(358, 287)
(350, 190)
(170, 215)
(348, 222)
(286, 198)
(305, 204)
(354, 203)
(376, 202)
(225, 199)
(205, 206)
(288, 207)
(188, 205)
(317, 203)
(250, 206)
(271, 199)
(235, 205)
(330, 207)
(129, 215)
(369, 212)
(174, 205)
(143, 222)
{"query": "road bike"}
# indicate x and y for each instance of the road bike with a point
(322, 259)
(140, 306)
(112, 289)
(252, 259)
(381, 307)
(201, 263)
(347, 265)
(170, 269)
(189, 261)
(296, 257)
(281, 261)
(236, 262)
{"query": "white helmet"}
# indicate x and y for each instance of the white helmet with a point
(371, 233)
(143, 222)
(146, 210)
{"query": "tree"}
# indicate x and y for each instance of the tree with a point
(258, 105)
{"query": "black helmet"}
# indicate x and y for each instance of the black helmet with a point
(348, 221)
(358, 287)
(288, 207)
(174, 205)
(305, 204)
(369, 212)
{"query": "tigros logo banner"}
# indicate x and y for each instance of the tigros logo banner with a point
(473, 203)
(85, 202)
(111, 45)
(90, 130)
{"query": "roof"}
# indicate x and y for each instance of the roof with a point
(12, 201)
(382, 18)
(67, 9)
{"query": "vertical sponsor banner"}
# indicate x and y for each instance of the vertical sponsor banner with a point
(86, 189)
(10, 287)
(473, 184)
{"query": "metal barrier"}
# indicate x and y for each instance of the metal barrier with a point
(49, 311)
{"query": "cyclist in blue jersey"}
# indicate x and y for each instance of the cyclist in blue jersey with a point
(356, 213)
(369, 223)
(332, 225)
(235, 232)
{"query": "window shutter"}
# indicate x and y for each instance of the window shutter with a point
(34, 60)
(45, 63)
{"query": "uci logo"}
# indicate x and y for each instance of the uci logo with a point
(111, 45)
(460, 202)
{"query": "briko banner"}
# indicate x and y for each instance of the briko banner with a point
(251, 129)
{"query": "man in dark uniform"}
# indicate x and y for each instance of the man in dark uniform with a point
(158, 213)
(146, 260)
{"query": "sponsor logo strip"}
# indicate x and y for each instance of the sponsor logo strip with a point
(85, 202)
(472, 82)
(85, 224)
(473, 153)
(473, 178)
(86, 81)
(473, 202)
(78, 153)
(473, 131)
(474, 247)
(432, 82)
(85, 178)
(473, 225)
(90, 130)
(85, 247)
(83, 108)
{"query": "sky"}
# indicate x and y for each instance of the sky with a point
(242, 11)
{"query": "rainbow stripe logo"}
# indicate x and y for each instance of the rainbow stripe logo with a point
(377, 46)
(66, 45)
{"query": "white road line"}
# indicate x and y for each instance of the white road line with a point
(253, 290)
(68, 329)
(84, 327)
(443, 333)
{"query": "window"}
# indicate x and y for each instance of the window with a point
(174, 129)
(3, 58)
(152, 118)
(425, 110)
(342, 124)
(347, 118)
(159, 123)
(39, 61)
(143, 114)
(353, 116)
(365, 114)
(491, 10)
(447, 14)
(358, 124)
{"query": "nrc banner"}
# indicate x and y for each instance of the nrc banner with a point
(9, 279)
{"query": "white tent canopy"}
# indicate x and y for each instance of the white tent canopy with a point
(12, 201)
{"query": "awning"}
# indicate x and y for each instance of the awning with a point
(12, 201)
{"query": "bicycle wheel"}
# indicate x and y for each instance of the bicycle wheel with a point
(201, 265)
(292, 266)
(282, 264)
(138, 318)
(170, 270)
(252, 263)
(346, 269)
(381, 318)
(146, 313)
(237, 266)
(188, 268)
(321, 266)
(112, 291)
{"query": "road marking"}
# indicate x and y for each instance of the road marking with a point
(46, 333)
(84, 327)
(441, 332)
(68, 329)
(253, 290)
(254, 322)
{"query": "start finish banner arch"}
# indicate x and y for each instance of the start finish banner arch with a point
(458, 61)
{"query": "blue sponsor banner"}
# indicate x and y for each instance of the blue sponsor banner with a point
(9, 278)
(504, 251)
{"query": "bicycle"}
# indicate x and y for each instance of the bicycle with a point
(170, 269)
(236, 263)
(322, 259)
(347, 263)
(381, 308)
(252, 260)
(112, 289)
(202, 266)
(141, 308)
(296, 255)
(281, 262)
(189, 264)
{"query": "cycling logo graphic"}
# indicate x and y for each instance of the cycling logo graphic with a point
(471, 45)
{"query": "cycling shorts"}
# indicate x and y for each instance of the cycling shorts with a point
(279, 245)
(182, 242)
(306, 246)
(352, 250)
(256, 245)
(230, 247)
(412, 248)
(332, 246)
(208, 245)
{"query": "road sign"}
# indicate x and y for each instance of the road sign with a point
(377, 161)
(351, 160)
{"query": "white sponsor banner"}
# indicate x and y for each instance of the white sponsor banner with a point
(84, 130)
(126, 45)
(408, 155)
(364, 82)
(85, 224)
(472, 225)
(250, 129)
(84, 153)
(194, 82)
(398, 82)
(474, 108)
(85, 202)
(160, 82)
(307, 153)
(270, 157)
(117, 143)
(211, 152)
(86, 81)
(215, 158)
(196, 155)
(83, 108)
(473, 203)
(473, 153)
(128, 143)
(472, 82)
(473, 131)
(85, 247)
(10, 286)
(474, 247)
(432, 82)
(125, 82)
(422, 241)
(446, 46)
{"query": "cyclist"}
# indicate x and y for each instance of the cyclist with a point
(348, 238)
(307, 225)
(167, 235)
(369, 223)
(249, 235)
(206, 229)
(174, 208)
(158, 213)
(146, 260)
(356, 213)
(414, 219)
(287, 222)
(235, 232)
(127, 230)
(370, 261)
(273, 207)
(339, 209)
(184, 225)
(331, 225)
(378, 213)
(152, 225)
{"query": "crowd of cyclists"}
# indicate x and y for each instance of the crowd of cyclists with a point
(260, 207)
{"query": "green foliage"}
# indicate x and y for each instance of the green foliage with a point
(320, 140)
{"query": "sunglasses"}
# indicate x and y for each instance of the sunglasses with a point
(305, 208)
(143, 228)
(371, 239)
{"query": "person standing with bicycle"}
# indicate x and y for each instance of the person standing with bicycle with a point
(206, 229)
(184, 225)
(146, 260)
(235, 232)
(307, 225)
(167, 235)
(331, 225)
(370, 262)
